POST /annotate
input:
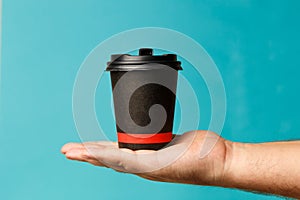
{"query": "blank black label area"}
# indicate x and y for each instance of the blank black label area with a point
(143, 98)
(146, 96)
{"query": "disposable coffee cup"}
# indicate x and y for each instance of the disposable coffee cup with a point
(144, 94)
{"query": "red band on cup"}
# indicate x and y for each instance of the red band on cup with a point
(145, 138)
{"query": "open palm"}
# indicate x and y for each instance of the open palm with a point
(182, 161)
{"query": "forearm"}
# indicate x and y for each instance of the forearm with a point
(266, 167)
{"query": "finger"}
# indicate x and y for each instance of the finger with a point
(82, 155)
(89, 155)
(103, 143)
(72, 145)
(69, 146)
(83, 151)
(79, 154)
(95, 147)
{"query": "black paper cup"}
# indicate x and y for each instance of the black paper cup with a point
(144, 94)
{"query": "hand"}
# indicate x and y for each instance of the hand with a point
(204, 158)
(190, 166)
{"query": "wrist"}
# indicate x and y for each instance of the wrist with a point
(235, 161)
(220, 163)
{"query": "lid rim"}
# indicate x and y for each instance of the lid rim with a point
(122, 62)
(138, 68)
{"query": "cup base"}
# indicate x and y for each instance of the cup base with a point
(156, 146)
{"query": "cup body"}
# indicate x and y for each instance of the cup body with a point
(137, 91)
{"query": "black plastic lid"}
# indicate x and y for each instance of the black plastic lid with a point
(127, 62)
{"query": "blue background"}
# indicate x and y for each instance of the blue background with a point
(255, 44)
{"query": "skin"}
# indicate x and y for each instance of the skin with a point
(266, 167)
